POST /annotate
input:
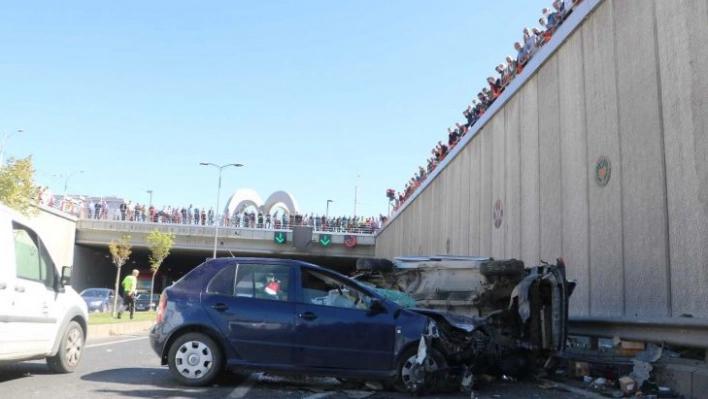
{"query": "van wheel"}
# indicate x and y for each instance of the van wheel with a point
(70, 350)
(374, 264)
(195, 360)
(501, 267)
(416, 378)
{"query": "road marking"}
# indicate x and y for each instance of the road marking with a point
(114, 342)
(243, 389)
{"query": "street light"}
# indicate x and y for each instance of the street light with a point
(66, 181)
(6, 136)
(326, 221)
(327, 213)
(218, 194)
(150, 192)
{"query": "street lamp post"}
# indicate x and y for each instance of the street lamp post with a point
(66, 181)
(327, 212)
(6, 136)
(150, 192)
(218, 194)
(326, 222)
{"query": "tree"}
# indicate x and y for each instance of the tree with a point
(120, 252)
(159, 244)
(17, 188)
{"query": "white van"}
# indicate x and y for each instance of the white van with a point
(41, 316)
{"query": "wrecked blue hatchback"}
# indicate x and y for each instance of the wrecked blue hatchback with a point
(288, 316)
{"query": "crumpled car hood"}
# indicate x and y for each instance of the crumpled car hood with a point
(461, 322)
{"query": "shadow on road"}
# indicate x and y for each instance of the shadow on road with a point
(9, 372)
(160, 381)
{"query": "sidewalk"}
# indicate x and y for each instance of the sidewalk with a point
(127, 328)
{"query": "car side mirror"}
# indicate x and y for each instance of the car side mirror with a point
(65, 276)
(376, 306)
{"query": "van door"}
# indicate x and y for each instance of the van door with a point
(33, 301)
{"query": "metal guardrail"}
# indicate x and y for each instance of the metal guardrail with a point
(681, 331)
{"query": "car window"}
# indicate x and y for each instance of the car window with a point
(263, 281)
(222, 282)
(32, 260)
(96, 293)
(321, 289)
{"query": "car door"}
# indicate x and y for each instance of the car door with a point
(259, 326)
(32, 311)
(334, 329)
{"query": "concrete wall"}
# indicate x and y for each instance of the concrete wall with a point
(624, 84)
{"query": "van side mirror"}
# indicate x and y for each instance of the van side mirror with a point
(65, 276)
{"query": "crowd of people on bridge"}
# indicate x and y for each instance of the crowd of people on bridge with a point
(105, 208)
(532, 40)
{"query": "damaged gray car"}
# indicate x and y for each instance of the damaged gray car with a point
(512, 319)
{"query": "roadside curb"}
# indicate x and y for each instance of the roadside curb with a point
(132, 327)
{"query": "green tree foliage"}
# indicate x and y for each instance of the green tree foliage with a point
(17, 187)
(159, 244)
(120, 252)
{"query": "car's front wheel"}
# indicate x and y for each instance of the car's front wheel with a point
(414, 377)
(70, 349)
(195, 359)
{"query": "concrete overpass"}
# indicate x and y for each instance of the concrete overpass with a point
(597, 152)
(195, 243)
(83, 243)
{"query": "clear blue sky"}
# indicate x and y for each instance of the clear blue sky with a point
(306, 94)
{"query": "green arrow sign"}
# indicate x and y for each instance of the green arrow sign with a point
(325, 239)
(280, 238)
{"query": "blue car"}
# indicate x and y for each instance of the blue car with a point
(100, 299)
(293, 317)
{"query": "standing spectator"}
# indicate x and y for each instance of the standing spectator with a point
(510, 67)
(123, 208)
(211, 216)
(196, 215)
(203, 217)
(521, 57)
(494, 87)
(91, 208)
(97, 212)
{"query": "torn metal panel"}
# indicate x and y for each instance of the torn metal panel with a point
(498, 319)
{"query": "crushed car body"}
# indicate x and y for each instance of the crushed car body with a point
(511, 319)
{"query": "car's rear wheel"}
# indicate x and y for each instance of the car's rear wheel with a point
(195, 359)
(417, 378)
(104, 308)
(70, 349)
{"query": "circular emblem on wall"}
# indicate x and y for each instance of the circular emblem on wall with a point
(603, 170)
(498, 213)
(350, 241)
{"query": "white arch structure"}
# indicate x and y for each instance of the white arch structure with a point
(245, 197)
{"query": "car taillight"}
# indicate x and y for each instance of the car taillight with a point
(161, 307)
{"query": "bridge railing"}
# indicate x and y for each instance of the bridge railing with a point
(208, 230)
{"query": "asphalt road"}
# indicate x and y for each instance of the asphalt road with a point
(125, 366)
